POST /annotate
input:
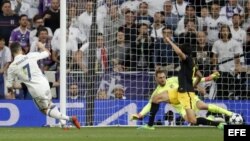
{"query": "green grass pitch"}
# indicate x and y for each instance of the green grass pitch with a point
(111, 134)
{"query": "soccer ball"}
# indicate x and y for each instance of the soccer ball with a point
(236, 119)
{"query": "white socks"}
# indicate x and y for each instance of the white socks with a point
(54, 113)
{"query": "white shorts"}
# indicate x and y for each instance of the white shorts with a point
(43, 101)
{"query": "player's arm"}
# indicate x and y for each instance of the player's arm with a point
(215, 61)
(42, 48)
(44, 52)
(211, 77)
(237, 62)
(198, 78)
(10, 79)
(177, 50)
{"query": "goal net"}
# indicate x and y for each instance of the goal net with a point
(115, 46)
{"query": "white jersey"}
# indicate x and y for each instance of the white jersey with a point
(179, 9)
(240, 36)
(213, 27)
(25, 68)
(225, 51)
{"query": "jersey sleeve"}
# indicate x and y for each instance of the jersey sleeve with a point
(215, 48)
(38, 55)
(10, 76)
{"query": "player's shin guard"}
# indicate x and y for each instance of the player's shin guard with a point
(204, 121)
(54, 113)
(216, 109)
(153, 111)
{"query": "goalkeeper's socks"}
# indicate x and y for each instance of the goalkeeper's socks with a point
(153, 111)
(54, 113)
(216, 109)
(204, 121)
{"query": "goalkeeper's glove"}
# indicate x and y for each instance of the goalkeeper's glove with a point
(136, 117)
(215, 75)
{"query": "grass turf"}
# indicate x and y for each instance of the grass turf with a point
(111, 134)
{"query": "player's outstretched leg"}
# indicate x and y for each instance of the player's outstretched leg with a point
(204, 121)
(216, 109)
(55, 113)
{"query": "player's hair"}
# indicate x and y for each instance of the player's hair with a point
(228, 28)
(158, 71)
(15, 47)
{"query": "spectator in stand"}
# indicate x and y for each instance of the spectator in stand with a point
(102, 95)
(105, 8)
(119, 92)
(202, 53)
(8, 21)
(44, 5)
(232, 7)
(73, 92)
(130, 28)
(142, 54)
(129, 5)
(38, 22)
(72, 15)
(165, 57)
(157, 26)
(189, 15)
(52, 16)
(190, 27)
(214, 22)
(232, 81)
(28, 7)
(171, 19)
(111, 24)
(204, 14)
(74, 38)
(21, 34)
(43, 37)
(154, 6)
(246, 16)
(102, 62)
(238, 33)
(5, 59)
(85, 19)
(142, 15)
(121, 54)
(200, 4)
(179, 7)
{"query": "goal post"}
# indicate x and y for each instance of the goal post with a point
(63, 52)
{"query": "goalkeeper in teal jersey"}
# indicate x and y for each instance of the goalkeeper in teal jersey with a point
(167, 92)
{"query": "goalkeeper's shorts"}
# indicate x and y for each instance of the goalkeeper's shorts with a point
(181, 110)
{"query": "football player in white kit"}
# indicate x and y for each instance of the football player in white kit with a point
(26, 69)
